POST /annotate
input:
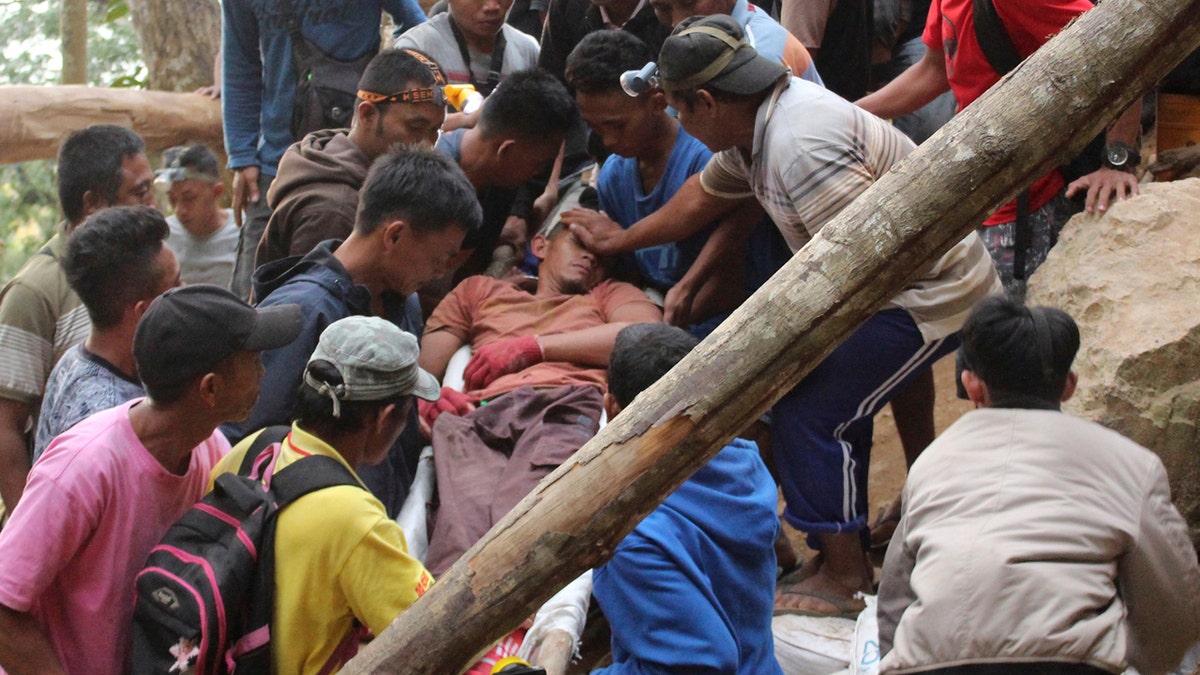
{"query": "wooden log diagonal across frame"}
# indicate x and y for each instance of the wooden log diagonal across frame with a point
(1045, 109)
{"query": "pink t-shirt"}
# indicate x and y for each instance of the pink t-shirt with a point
(95, 504)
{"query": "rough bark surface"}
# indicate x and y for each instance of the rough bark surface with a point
(179, 40)
(1130, 278)
(73, 27)
(35, 119)
(1049, 106)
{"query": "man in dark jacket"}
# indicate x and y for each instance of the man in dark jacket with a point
(416, 208)
(315, 194)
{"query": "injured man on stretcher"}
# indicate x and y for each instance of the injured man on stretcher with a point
(534, 387)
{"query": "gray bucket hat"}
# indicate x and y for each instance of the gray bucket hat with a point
(377, 361)
(713, 50)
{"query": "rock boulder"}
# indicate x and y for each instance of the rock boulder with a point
(1131, 279)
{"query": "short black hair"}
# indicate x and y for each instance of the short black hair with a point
(642, 354)
(529, 104)
(596, 64)
(394, 70)
(314, 411)
(167, 394)
(198, 158)
(110, 260)
(424, 187)
(90, 159)
(1003, 344)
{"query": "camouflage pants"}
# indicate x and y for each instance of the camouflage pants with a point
(1045, 224)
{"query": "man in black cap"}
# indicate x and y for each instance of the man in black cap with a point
(105, 492)
(805, 153)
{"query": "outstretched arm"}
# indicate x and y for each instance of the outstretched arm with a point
(704, 289)
(924, 81)
(690, 210)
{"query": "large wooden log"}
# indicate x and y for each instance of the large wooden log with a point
(35, 119)
(1048, 107)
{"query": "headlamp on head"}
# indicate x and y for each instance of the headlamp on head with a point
(637, 82)
(463, 97)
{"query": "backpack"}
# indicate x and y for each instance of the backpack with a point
(205, 598)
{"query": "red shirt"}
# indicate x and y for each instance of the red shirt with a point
(1029, 24)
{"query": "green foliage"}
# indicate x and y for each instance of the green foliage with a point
(29, 54)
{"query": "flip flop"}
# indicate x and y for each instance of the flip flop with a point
(844, 608)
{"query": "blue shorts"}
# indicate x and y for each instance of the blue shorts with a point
(821, 430)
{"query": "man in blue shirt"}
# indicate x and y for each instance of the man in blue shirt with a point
(691, 589)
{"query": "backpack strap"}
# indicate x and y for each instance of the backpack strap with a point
(994, 41)
(269, 436)
(307, 475)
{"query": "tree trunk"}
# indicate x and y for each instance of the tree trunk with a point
(1049, 106)
(179, 40)
(34, 119)
(73, 27)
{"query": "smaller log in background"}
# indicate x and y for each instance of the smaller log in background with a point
(35, 119)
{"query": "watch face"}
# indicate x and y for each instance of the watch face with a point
(1117, 155)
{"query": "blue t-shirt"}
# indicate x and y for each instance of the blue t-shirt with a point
(80, 385)
(692, 588)
(622, 198)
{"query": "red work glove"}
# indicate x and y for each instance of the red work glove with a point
(450, 401)
(501, 358)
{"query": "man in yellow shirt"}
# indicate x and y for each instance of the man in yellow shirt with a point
(342, 566)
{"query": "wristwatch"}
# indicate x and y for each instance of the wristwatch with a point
(1121, 157)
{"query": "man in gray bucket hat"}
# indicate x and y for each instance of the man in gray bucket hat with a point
(341, 563)
(804, 154)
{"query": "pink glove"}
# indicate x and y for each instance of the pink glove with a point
(450, 401)
(501, 358)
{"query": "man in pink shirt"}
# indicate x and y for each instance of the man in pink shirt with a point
(106, 491)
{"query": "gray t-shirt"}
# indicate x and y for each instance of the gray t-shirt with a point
(205, 260)
(80, 385)
(436, 40)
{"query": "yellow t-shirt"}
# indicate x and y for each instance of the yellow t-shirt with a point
(338, 557)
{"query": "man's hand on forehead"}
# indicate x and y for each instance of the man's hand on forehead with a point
(595, 230)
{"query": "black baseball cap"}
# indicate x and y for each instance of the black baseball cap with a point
(187, 331)
(713, 50)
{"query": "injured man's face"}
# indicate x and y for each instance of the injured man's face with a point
(567, 265)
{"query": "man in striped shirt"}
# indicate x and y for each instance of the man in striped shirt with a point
(40, 316)
(804, 154)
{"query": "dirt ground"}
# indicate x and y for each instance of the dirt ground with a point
(887, 458)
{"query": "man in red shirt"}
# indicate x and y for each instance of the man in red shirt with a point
(955, 61)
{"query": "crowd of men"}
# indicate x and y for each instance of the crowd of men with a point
(145, 356)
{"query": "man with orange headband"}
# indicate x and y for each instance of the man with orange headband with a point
(315, 194)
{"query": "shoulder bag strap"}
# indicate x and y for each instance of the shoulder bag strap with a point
(494, 68)
(993, 39)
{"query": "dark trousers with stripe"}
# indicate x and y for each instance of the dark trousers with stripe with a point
(821, 430)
